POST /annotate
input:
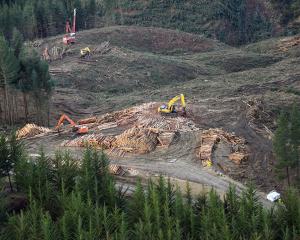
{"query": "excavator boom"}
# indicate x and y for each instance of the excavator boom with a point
(76, 128)
(62, 119)
(70, 31)
(74, 22)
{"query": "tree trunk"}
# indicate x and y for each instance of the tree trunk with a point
(25, 106)
(288, 176)
(298, 170)
(10, 184)
(48, 114)
(1, 110)
(14, 107)
(6, 118)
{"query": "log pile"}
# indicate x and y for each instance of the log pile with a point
(288, 43)
(87, 120)
(208, 141)
(166, 138)
(116, 170)
(210, 138)
(93, 140)
(238, 157)
(146, 116)
(31, 130)
(136, 140)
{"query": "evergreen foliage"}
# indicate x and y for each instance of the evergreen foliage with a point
(72, 200)
(286, 144)
(235, 21)
(289, 9)
(10, 152)
(22, 71)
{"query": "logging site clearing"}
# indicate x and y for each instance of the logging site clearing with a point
(232, 96)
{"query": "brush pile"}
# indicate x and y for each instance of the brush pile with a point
(31, 130)
(258, 118)
(209, 140)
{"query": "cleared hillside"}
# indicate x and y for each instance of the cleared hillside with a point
(238, 89)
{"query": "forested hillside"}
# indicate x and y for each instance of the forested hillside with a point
(67, 200)
(235, 22)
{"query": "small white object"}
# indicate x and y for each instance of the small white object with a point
(173, 160)
(273, 196)
(133, 172)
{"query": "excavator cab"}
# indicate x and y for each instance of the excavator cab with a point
(170, 107)
(85, 52)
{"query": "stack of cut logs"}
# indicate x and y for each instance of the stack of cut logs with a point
(208, 141)
(136, 140)
(31, 130)
(94, 140)
(211, 137)
(166, 138)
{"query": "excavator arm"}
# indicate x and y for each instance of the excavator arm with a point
(170, 108)
(173, 101)
(182, 100)
(74, 21)
(62, 119)
(76, 128)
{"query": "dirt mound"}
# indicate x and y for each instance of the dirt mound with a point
(156, 40)
(31, 130)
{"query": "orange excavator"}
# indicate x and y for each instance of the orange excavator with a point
(76, 128)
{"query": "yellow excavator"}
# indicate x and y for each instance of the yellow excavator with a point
(171, 108)
(85, 52)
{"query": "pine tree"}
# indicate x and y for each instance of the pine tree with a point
(282, 147)
(9, 68)
(6, 165)
(35, 81)
(17, 42)
(295, 137)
